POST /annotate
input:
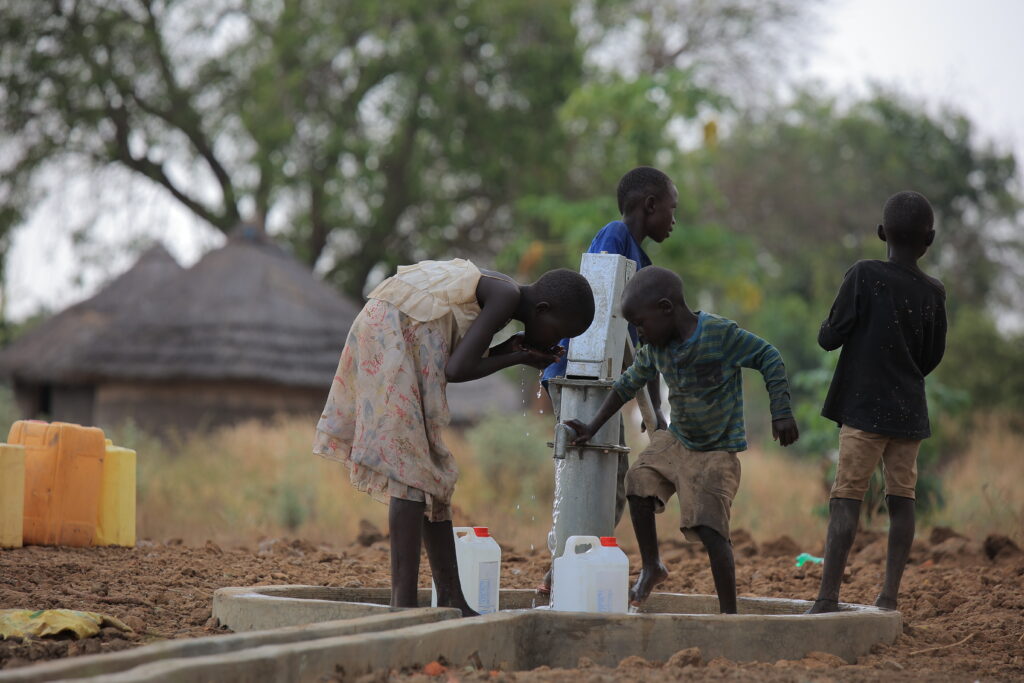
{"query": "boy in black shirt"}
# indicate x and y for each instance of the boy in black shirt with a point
(890, 319)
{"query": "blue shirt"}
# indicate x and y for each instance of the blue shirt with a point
(613, 238)
(705, 390)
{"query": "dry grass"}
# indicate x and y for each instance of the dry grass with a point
(984, 487)
(251, 481)
(780, 495)
(246, 482)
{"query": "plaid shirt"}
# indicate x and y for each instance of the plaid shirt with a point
(705, 389)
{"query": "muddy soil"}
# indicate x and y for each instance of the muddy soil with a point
(962, 601)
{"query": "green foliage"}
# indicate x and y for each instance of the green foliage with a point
(986, 365)
(294, 503)
(740, 46)
(818, 435)
(375, 132)
(809, 180)
(510, 450)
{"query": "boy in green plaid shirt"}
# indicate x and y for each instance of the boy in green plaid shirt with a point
(700, 356)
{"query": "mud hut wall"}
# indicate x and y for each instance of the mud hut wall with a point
(73, 403)
(184, 406)
(56, 402)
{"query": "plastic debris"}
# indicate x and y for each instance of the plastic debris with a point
(27, 623)
(804, 558)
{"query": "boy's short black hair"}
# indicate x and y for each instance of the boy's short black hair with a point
(653, 283)
(569, 295)
(907, 218)
(638, 183)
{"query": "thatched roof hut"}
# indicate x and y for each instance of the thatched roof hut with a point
(247, 332)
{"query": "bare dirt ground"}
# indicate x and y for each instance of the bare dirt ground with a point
(962, 601)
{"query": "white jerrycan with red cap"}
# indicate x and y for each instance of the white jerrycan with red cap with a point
(594, 580)
(610, 577)
(479, 559)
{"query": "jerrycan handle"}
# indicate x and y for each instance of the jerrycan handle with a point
(573, 543)
(463, 530)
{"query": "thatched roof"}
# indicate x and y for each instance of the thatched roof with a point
(246, 311)
(53, 350)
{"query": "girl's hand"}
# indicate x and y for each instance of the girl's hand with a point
(507, 346)
(536, 358)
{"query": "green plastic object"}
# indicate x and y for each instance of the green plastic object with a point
(804, 558)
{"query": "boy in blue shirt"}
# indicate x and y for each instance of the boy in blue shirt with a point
(647, 200)
(700, 356)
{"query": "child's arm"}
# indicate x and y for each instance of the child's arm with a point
(654, 390)
(498, 301)
(632, 380)
(935, 346)
(842, 318)
(747, 350)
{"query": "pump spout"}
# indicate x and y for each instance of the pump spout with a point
(564, 436)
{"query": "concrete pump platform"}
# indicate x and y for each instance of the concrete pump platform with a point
(359, 633)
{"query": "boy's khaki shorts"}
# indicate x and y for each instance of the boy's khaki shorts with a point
(859, 453)
(705, 482)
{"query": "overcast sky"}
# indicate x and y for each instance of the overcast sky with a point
(969, 54)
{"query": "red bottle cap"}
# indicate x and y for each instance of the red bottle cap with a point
(609, 541)
(481, 531)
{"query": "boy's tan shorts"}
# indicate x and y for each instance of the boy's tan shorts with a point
(705, 481)
(859, 453)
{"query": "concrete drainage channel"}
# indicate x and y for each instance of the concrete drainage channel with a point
(301, 633)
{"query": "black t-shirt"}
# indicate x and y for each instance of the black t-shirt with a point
(891, 322)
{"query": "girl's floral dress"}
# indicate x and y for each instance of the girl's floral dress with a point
(387, 406)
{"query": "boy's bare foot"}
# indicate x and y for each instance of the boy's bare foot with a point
(646, 582)
(885, 603)
(822, 606)
(545, 584)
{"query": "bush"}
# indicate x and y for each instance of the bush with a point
(513, 455)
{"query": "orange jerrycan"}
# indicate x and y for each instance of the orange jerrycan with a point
(63, 479)
(12, 494)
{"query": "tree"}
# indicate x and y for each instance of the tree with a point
(738, 47)
(364, 133)
(661, 72)
(809, 180)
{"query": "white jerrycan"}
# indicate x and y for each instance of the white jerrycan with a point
(570, 590)
(609, 574)
(479, 559)
(595, 580)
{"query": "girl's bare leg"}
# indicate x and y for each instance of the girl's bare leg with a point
(405, 524)
(440, 542)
